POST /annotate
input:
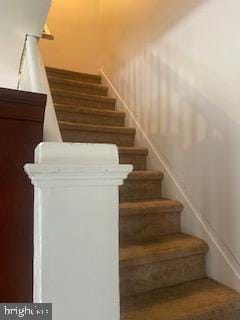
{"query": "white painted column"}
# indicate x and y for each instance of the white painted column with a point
(33, 78)
(76, 229)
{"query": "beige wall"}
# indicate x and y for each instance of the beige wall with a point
(75, 26)
(175, 64)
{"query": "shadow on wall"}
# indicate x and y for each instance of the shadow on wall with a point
(196, 137)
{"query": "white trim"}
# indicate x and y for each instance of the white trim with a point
(72, 176)
(208, 229)
(33, 78)
(76, 164)
(88, 154)
(37, 260)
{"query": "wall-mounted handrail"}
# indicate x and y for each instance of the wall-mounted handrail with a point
(47, 33)
(33, 78)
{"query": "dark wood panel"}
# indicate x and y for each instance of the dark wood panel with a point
(21, 129)
(21, 105)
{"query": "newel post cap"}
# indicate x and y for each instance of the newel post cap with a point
(76, 164)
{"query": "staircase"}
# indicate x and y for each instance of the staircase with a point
(162, 271)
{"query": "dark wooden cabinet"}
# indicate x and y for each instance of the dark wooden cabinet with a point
(21, 129)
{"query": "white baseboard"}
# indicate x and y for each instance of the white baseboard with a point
(221, 264)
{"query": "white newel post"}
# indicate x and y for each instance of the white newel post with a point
(76, 229)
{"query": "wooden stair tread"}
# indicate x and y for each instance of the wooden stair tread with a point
(132, 150)
(85, 96)
(84, 110)
(72, 82)
(135, 156)
(96, 128)
(141, 185)
(165, 248)
(145, 175)
(202, 299)
(150, 206)
(78, 86)
(72, 74)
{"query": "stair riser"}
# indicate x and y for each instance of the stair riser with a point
(140, 190)
(121, 140)
(81, 102)
(81, 88)
(143, 278)
(138, 161)
(235, 315)
(149, 226)
(76, 77)
(93, 119)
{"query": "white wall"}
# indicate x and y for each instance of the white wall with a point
(75, 26)
(175, 64)
(18, 18)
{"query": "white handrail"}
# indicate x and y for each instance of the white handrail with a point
(47, 34)
(33, 78)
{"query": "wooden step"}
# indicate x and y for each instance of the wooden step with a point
(83, 100)
(90, 116)
(78, 86)
(135, 156)
(145, 220)
(141, 185)
(197, 300)
(72, 75)
(171, 260)
(73, 132)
